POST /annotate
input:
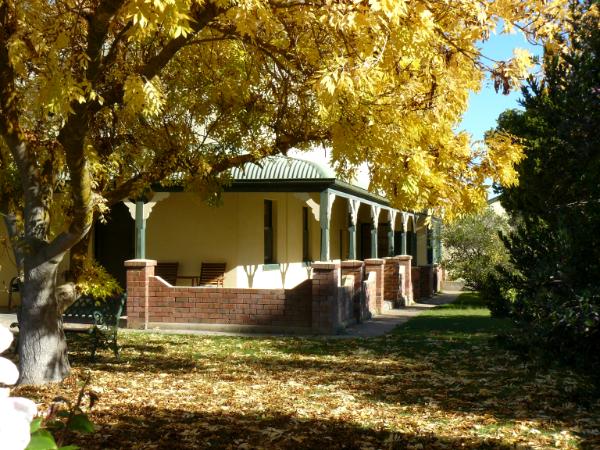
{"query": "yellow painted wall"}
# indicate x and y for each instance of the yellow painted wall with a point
(312, 200)
(183, 228)
(422, 245)
(7, 266)
(8, 269)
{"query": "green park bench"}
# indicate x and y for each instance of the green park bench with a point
(98, 319)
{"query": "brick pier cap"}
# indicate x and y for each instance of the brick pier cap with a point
(138, 263)
(351, 263)
(374, 261)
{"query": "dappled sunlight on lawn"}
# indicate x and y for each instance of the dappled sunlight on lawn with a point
(438, 382)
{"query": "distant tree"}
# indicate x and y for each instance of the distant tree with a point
(473, 247)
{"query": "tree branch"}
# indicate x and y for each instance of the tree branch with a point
(73, 134)
(10, 130)
(202, 16)
(112, 53)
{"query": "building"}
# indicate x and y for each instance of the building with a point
(274, 221)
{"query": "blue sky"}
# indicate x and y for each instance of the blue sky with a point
(486, 105)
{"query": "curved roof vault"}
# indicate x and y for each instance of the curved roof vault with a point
(282, 168)
(286, 174)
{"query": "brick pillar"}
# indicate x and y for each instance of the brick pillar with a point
(416, 282)
(325, 282)
(355, 268)
(391, 281)
(139, 272)
(438, 277)
(427, 283)
(376, 265)
(405, 261)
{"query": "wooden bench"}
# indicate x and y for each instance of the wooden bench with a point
(212, 274)
(168, 271)
(97, 318)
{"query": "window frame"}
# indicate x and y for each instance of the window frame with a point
(305, 234)
(269, 232)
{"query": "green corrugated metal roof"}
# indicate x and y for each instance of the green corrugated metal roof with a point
(282, 168)
(284, 174)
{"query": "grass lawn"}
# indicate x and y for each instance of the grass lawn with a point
(436, 382)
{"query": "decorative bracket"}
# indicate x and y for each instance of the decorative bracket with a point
(147, 208)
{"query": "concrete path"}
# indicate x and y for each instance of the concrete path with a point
(377, 326)
(384, 323)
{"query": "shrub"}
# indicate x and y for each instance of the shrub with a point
(498, 294)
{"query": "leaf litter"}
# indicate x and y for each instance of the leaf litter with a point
(188, 392)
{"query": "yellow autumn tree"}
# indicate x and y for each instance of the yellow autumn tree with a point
(101, 98)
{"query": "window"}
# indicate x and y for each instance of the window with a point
(398, 243)
(411, 246)
(429, 238)
(305, 235)
(269, 233)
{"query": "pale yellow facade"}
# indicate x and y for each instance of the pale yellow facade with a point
(497, 207)
(421, 245)
(182, 228)
(8, 268)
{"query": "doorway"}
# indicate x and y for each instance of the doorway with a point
(114, 242)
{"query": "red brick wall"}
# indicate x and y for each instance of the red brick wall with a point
(355, 268)
(325, 282)
(273, 307)
(426, 281)
(422, 279)
(376, 265)
(391, 280)
(416, 282)
(405, 261)
(138, 273)
(370, 292)
(320, 303)
(183, 304)
(345, 301)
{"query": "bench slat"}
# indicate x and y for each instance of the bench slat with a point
(212, 274)
(168, 271)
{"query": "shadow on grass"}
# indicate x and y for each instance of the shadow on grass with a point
(153, 356)
(445, 358)
(149, 427)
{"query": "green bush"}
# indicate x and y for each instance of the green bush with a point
(498, 294)
(555, 240)
(473, 247)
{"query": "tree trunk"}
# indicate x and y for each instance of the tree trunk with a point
(42, 344)
(78, 255)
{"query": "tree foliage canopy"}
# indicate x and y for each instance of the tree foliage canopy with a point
(556, 246)
(148, 89)
(101, 98)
